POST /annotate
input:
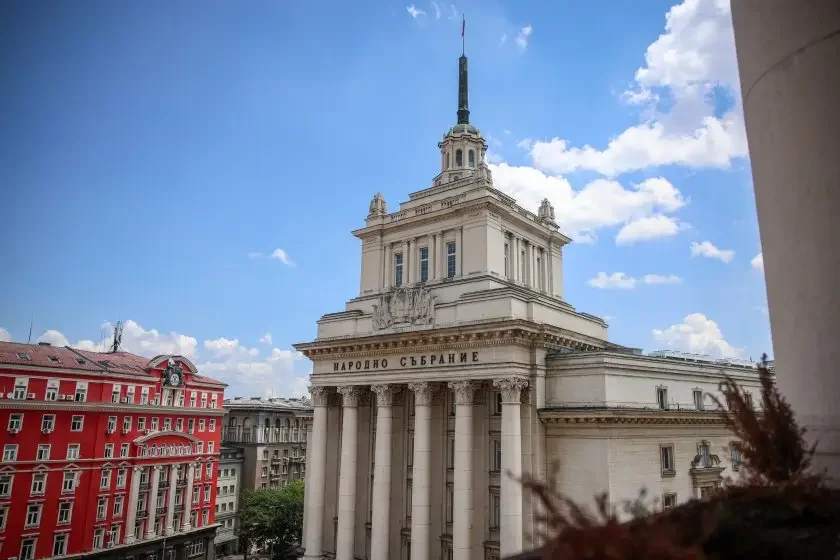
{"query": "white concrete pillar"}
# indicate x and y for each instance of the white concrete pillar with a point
(386, 267)
(131, 513)
(347, 473)
(432, 259)
(459, 255)
(510, 536)
(154, 477)
(170, 502)
(462, 526)
(788, 56)
(316, 470)
(517, 266)
(186, 524)
(421, 473)
(406, 252)
(381, 515)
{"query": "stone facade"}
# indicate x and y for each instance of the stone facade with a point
(228, 494)
(460, 365)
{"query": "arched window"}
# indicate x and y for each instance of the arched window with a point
(267, 423)
(232, 423)
(447, 160)
(472, 158)
(459, 158)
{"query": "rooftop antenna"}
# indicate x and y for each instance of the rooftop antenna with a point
(463, 28)
(31, 320)
(118, 330)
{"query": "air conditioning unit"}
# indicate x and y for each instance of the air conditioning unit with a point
(124, 400)
(30, 395)
(65, 397)
(14, 431)
(47, 431)
(110, 431)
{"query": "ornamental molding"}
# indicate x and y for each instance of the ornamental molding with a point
(385, 394)
(403, 307)
(146, 437)
(349, 395)
(125, 408)
(511, 389)
(424, 392)
(320, 395)
(465, 391)
(630, 417)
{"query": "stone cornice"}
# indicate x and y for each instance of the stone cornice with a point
(123, 408)
(512, 331)
(613, 417)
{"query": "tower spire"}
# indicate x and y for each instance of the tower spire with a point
(463, 97)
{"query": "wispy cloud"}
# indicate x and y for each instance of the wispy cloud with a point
(622, 281)
(278, 254)
(453, 12)
(414, 11)
(524, 36)
(436, 6)
(708, 250)
(503, 40)
(758, 262)
(266, 339)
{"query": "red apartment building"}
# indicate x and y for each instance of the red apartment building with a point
(106, 455)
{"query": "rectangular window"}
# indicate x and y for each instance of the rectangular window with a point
(43, 452)
(193, 398)
(736, 457)
(450, 259)
(115, 394)
(65, 512)
(81, 391)
(144, 395)
(98, 537)
(450, 453)
(196, 490)
(495, 511)
(398, 269)
(167, 424)
(179, 425)
(48, 423)
(109, 450)
(154, 423)
(496, 459)
(127, 423)
(60, 544)
(19, 391)
(105, 480)
(669, 500)
(101, 508)
(212, 425)
(667, 460)
(121, 478)
(69, 482)
(703, 451)
(141, 423)
(662, 398)
(201, 424)
(749, 400)
(424, 264)
(5, 485)
(15, 422)
(10, 452)
(27, 549)
(112, 424)
(210, 447)
(33, 515)
(39, 482)
(77, 423)
(450, 503)
(507, 269)
(4, 514)
(118, 505)
(698, 399)
(115, 534)
(52, 393)
(124, 450)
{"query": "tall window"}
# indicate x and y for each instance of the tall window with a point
(446, 157)
(5, 485)
(47, 423)
(522, 266)
(662, 398)
(450, 259)
(98, 535)
(424, 264)
(60, 545)
(472, 158)
(27, 549)
(667, 458)
(538, 283)
(39, 481)
(10, 452)
(398, 269)
(65, 512)
(76, 423)
(495, 510)
(507, 270)
(736, 457)
(43, 452)
(81, 391)
(496, 458)
(459, 158)
(15, 422)
(33, 515)
(450, 503)
(69, 482)
(698, 399)
(52, 393)
(703, 451)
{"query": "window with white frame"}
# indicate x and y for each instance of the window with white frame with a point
(19, 391)
(115, 394)
(129, 393)
(206, 492)
(109, 450)
(121, 473)
(201, 424)
(180, 399)
(167, 424)
(424, 264)
(98, 537)
(118, 505)
(205, 517)
(669, 500)
(68, 484)
(39, 484)
(179, 425)
(141, 423)
(72, 451)
(101, 508)
(398, 269)
(144, 395)
(115, 533)
(697, 394)
(105, 479)
(450, 259)
(495, 510)
(27, 548)
(212, 426)
(209, 470)
(666, 453)
(33, 515)
(214, 400)
(155, 423)
(200, 447)
(196, 491)
(193, 398)
(126, 423)
(43, 452)
(662, 398)
(15, 422)
(77, 423)
(6, 485)
(65, 512)
(10, 452)
(191, 425)
(81, 391)
(123, 450)
(112, 423)
(52, 393)
(210, 447)
(60, 544)
(47, 423)
(4, 514)
(203, 400)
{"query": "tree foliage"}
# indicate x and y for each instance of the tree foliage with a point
(273, 520)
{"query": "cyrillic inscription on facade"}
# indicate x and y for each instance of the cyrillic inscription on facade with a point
(424, 360)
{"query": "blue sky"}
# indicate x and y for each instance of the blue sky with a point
(155, 155)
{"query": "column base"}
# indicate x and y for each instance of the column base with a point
(186, 527)
(130, 540)
(169, 531)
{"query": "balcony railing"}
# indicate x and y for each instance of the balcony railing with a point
(144, 486)
(142, 514)
(163, 484)
(263, 435)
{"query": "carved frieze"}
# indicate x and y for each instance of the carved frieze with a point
(404, 306)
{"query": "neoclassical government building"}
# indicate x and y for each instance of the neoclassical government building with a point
(460, 366)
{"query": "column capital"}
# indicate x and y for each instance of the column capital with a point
(424, 392)
(464, 391)
(385, 393)
(320, 395)
(511, 388)
(349, 395)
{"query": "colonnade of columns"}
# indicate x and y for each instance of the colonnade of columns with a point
(410, 250)
(153, 478)
(534, 270)
(463, 526)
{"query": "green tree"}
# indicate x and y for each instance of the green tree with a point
(273, 520)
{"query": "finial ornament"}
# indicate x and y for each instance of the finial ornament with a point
(546, 211)
(377, 206)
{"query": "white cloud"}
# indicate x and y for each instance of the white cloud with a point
(414, 12)
(693, 58)
(4, 335)
(503, 40)
(453, 12)
(436, 6)
(278, 254)
(506, 131)
(266, 338)
(656, 279)
(647, 229)
(707, 249)
(525, 144)
(524, 36)
(697, 334)
(600, 204)
(151, 343)
(758, 262)
(621, 281)
(616, 280)
(54, 337)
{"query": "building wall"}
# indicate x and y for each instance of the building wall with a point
(228, 495)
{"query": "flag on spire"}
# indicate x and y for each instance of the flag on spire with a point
(463, 25)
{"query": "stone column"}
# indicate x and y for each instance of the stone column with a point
(788, 56)
(462, 526)
(347, 473)
(170, 502)
(421, 473)
(154, 476)
(459, 254)
(186, 525)
(406, 262)
(131, 513)
(386, 267)
(316, 468)
(517, 267)
(381, 516)
(442, 255)
(510, 536)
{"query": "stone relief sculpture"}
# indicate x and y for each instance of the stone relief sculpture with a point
(403, 307)
(377, 206)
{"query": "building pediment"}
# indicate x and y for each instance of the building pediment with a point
(158, 361)
(155, 435)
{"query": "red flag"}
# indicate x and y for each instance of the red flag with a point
(463, 26)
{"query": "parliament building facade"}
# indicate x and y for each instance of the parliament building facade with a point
(460, 367)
